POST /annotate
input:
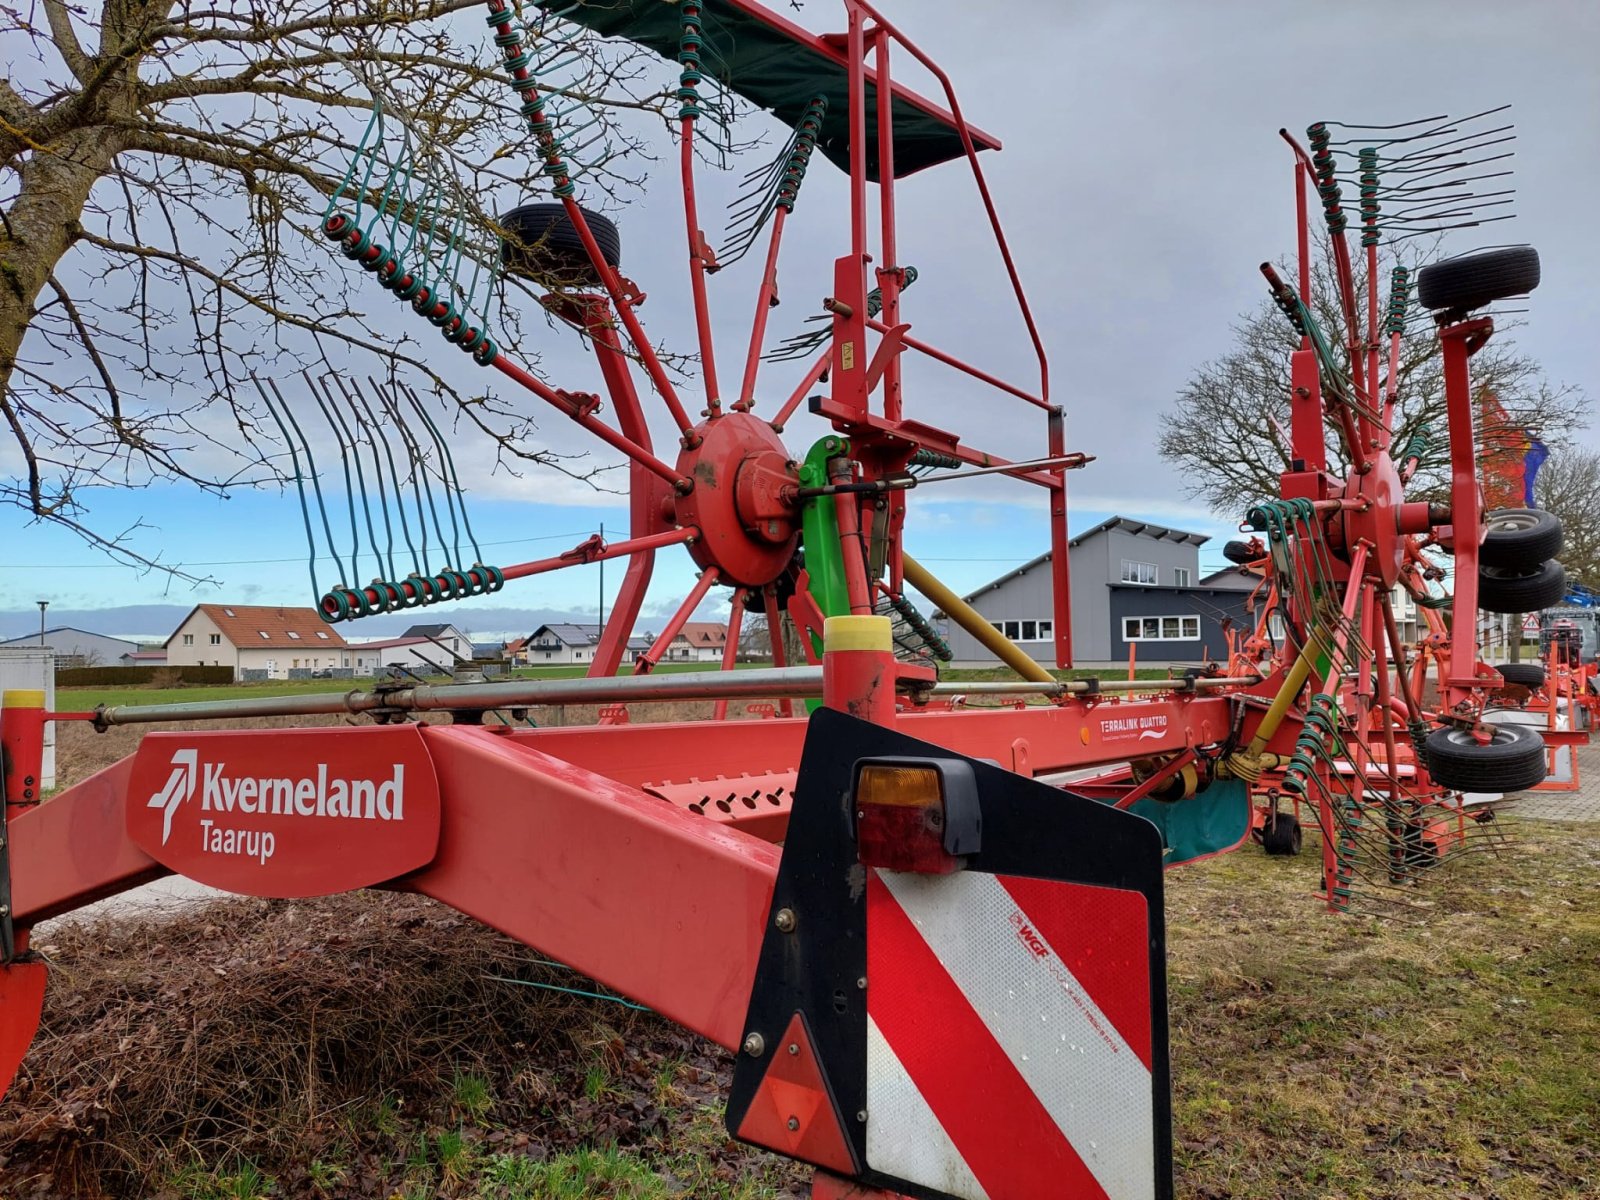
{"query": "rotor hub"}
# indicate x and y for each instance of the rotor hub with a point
(743, 500)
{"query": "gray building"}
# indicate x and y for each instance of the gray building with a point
(79, 647)
(1134, 583)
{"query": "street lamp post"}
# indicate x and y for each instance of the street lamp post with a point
(43, 604)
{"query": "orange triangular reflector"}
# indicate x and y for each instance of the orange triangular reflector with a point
(21, 1003)
(792, 1112)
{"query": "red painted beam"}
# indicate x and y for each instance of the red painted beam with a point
(661, 905)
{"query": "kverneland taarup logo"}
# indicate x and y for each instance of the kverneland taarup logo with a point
(286, 812)
(281, 796)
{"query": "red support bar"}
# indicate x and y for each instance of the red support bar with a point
(596, 550)
(644, 494)
(630, 320)
(798, 397)
(730, 650)
(965, 131)
(769, 600)
(950, 360)
(852, 545)
(889, 273)
(648, 660)
(1458, 343)
(1060, 562)
(584, 416)
(697, 273)
(765, 300)
(858, 132)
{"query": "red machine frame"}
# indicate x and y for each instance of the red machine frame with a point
(569, 839)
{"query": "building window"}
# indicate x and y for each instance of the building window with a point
(188, 639)
(1046, 630)
(265, 636)
(322, 634)
(1180, 576)
(1030, 631)
(291, 633)
(1138, 572)
(1161, 629)
(216, 639)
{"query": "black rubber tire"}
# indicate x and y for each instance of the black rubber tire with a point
(1281, 836)
(1463, 284)
(1529, 675)
(1520, 538)
(1504, 591)
(1239, 553)
(1513, 761)
(541, 243)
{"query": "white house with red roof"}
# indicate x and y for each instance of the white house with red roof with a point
(251, 637)
(698, 641)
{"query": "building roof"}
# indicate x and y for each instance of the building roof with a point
(1232, 578)
(148, 655)
(265, 625)
(431, 631)
(1140, 529)
(572, 635)
(33, 638)
(392, 643)
(516, 645)
(585, 635)
(711, 634)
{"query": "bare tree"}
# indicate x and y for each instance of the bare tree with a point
(1569, 485)
(1227, 431)
(164, 167)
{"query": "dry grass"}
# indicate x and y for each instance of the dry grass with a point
(375, 1035)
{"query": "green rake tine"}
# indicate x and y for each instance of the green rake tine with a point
(455, 478)
(419, 464)
(374, 120)
(349, 491)
(316, 485)
(374, 432)
(400, 484)
(305, 511)
(377, 471)
(446, 473)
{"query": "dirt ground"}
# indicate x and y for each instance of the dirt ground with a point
(376, 1046)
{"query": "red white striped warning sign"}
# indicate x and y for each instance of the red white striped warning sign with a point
(1009, 1037)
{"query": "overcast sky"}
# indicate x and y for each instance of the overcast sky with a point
(1141, 182)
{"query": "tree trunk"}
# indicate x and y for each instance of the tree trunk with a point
(42, 225)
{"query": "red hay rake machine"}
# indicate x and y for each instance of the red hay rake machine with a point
(941, 975)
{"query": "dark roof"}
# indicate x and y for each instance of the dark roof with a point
(428, 631)
(572, 635)
(1141, 529)
(584, 635)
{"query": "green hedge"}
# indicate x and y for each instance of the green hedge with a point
(103, 676)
